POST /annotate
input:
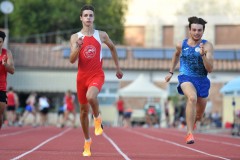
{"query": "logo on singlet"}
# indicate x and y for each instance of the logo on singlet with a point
(89, 51)
(197, 49)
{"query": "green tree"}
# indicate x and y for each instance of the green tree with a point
(44, 21)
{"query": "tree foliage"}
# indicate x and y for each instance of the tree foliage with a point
(46, 21)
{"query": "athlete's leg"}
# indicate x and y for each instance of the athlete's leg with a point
(34, 117)
(74, 118)
(84, 109)
(65, 118)
(9, 116)
(22, 119)
(92, 99)
(190, 92)
(201, 105)
(2, 107)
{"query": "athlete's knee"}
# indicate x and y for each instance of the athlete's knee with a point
(84, 111)
(1, 109)
(91, 98)
(198, 117)
(192, 99)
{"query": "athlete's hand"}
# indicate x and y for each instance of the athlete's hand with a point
(4, 60)
(119, 74)
(168, 77)
(202, 51)
(79, 42)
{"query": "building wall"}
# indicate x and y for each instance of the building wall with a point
(160, 13)
(228, 109)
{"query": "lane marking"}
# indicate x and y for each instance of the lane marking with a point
(16, 133)
(203, 139)
(116, 147)
(43, 143)
(177, 144)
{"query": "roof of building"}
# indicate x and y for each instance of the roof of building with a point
(56, 57)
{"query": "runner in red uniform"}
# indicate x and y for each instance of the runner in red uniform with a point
(6, 66)
(86, 47)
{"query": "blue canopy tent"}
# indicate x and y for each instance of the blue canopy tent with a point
(232, 87)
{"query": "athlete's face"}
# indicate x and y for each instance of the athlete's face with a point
(196, 31)
(87, 18)
(1, 42)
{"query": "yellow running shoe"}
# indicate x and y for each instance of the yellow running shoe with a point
(87, 148)
(98, 126)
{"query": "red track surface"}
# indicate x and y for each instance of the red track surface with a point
(51, 143)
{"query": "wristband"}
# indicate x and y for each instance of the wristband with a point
(171, 73)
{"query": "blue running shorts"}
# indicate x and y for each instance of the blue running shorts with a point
(28, 108)
(201, 84)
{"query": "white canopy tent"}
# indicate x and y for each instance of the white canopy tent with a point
(142, 87)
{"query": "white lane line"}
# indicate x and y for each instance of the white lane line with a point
(116, 147)
(225, 143)
(203, 139)
(176, 144)
(220, 135)
(16, 133)
(40, 145)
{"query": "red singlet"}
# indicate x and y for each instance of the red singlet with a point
(69, 102)
(10, 99)
(3, 72)
(90, 72)
(120, 106)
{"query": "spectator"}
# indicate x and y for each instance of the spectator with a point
(43, 108)
(120, 108)
(70, 108)
(30, 109)
(60, 115)
(151, 117)
(216, 119)
(127, 117)
(166, 110)
(12, 105)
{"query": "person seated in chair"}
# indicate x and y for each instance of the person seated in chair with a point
(151, 116)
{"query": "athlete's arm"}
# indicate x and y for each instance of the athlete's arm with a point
(175, 60)
(105, 39)
(8, 62)
(207, 55)
(16, 99)
(75, 47)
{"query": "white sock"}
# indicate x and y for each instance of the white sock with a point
(97, 116)
(88, 140)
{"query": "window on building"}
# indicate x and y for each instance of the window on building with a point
(232, 32)
(168, 35)
(134, 36)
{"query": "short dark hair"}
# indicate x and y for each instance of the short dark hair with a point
(196, 20)
(86, 7)
(10, 88)
(2, 35)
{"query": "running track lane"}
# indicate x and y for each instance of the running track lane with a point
(214, 147)
(117, 143)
